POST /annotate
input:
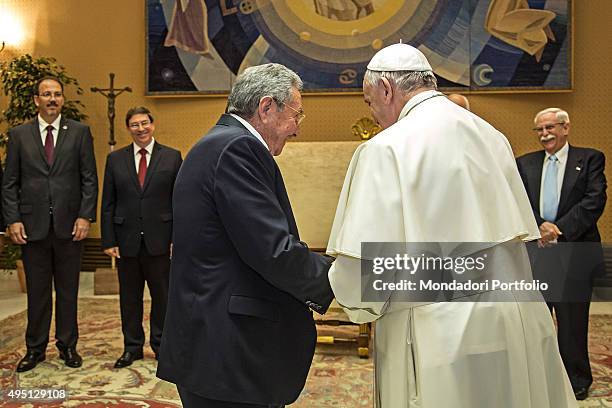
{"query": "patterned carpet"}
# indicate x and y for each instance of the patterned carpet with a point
(338, 378)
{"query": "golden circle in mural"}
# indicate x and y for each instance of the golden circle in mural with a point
(282, 22)
(305, 36)
(247, 6)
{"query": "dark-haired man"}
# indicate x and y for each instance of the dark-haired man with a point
(49, 196)
(137, 228)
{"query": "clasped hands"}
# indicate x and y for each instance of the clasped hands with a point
(18, 235)
(550, 233)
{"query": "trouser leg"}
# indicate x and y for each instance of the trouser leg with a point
(192, 400)
(573, 325)
(157, 274)
(66, 272)
(38, 263)
(131, 288)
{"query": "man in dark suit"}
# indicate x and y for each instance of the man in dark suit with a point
(137, 228)
(239, 331)
(567, 190)
(49, 197)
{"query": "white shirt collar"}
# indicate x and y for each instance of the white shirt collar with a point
(148, 148)
(561, 154)
(251, 129)
(42, 125)
(415, 100)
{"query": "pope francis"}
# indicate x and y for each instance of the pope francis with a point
(439, 173)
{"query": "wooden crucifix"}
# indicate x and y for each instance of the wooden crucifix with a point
(111, 94)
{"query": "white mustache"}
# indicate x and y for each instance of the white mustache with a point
(546, 138)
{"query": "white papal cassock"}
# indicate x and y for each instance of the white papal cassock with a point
(442, 174)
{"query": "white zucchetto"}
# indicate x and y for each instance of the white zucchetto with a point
(399, 57)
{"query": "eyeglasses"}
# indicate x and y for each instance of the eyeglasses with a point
(50, 94)
(300, 113)
(137, 125)
(548, 128)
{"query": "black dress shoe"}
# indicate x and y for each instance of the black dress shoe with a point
(127, 358)
(71, 357)
(29, 361)
(581, 393)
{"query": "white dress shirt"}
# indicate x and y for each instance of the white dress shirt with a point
(251, 129)
(148, 148)
(562, 162)
(42, 125)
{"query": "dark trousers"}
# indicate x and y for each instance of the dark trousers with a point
(572, 335)
(46, 260)
(191, 400)
(133, 272)
(568, 268)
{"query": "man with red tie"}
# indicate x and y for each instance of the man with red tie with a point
(137, 228)
(49, 197)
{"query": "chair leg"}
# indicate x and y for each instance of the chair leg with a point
(363, 341)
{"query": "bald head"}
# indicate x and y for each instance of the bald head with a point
(460, 100)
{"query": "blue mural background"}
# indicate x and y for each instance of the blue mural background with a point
(199, 46)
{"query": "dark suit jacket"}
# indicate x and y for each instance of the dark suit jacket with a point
(582, 201)
(128, 209)
(238, 326)
(31, 186)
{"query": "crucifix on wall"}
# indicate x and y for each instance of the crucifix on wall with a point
(111, 94)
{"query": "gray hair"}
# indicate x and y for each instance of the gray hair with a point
(405, 81)
(560, 115)
(254, 83)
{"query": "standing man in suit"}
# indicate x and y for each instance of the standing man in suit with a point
(137, 228)
(239, 331)
(49, 197)
(567, 190)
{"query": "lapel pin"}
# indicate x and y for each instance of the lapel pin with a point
(577, 168)
(65, 127)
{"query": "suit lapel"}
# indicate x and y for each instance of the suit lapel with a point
(37, 140)
(572, 171)
(155, 157)
(283, 199)
(129, 161)
(535, 179)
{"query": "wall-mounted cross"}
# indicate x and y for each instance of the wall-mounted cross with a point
(111, 94)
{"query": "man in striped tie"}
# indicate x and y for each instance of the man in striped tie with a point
(567, 190)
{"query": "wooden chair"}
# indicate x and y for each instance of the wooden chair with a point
(335, 316)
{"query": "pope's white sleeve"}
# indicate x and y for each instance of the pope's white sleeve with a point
(345, 280)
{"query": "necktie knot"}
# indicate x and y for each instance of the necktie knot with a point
(143, 152)
(553, 158)
(50, 128)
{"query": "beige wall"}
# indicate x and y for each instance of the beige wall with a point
(94, 37)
